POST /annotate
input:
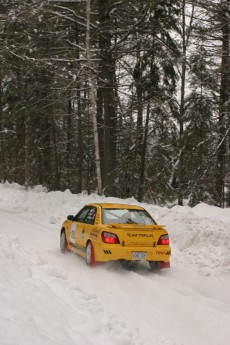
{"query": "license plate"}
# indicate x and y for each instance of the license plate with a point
(138, 256)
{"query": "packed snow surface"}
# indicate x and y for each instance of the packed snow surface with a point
(47, 298)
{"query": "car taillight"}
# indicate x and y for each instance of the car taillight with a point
(163, 240)
(108, 237)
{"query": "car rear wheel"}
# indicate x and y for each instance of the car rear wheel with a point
(153, 265)
(63, 242)
(89, 254)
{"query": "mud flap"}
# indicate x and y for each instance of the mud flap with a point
(163, 265)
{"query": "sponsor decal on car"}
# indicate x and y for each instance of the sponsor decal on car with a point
(107, 252)
(158, 252)
(94, 233)
(72, 233)
(139, 235)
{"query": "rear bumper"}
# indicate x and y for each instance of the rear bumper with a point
(112, 252)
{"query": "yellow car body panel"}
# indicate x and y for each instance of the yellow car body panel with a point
(136, 242)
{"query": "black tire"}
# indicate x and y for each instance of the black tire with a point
(153, 265)
(63, 242)
(89, 254)
(128, 265)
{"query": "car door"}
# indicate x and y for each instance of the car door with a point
(76, 226)
(84, 226)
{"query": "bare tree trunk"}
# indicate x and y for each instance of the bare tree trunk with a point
(80, 143)
(79, 124)
(140, 150)
(143, 157)
(69, 130)
(224, 106)
(185, 38)
(2, 161)
(27, 152)
(93, 98)
(181, 113)
(107, 94)
(56, 163)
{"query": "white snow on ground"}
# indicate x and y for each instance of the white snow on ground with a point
(49, 298)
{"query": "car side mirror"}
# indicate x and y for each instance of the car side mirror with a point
(71, 217)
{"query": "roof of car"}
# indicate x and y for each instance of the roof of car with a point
(113, 205)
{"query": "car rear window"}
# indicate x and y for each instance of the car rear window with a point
(126, 216)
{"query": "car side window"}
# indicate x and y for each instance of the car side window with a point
(90, 217)
(80, 217)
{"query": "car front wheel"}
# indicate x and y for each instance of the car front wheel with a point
(63, 242)
(89, 254)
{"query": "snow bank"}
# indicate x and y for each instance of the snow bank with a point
(200, 236)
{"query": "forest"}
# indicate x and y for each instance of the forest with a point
(117, 97)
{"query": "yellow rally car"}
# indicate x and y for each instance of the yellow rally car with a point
(106, 232)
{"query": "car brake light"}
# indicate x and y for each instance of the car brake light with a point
(108, 237)
(163, 240)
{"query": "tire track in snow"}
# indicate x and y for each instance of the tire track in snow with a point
(81, 309)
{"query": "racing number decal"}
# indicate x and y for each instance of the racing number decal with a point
(72, 233)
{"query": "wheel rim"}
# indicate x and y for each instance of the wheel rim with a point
(88, 254)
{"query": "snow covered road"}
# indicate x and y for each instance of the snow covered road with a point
(50, 298)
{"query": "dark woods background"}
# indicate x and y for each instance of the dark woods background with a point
(160, 72)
